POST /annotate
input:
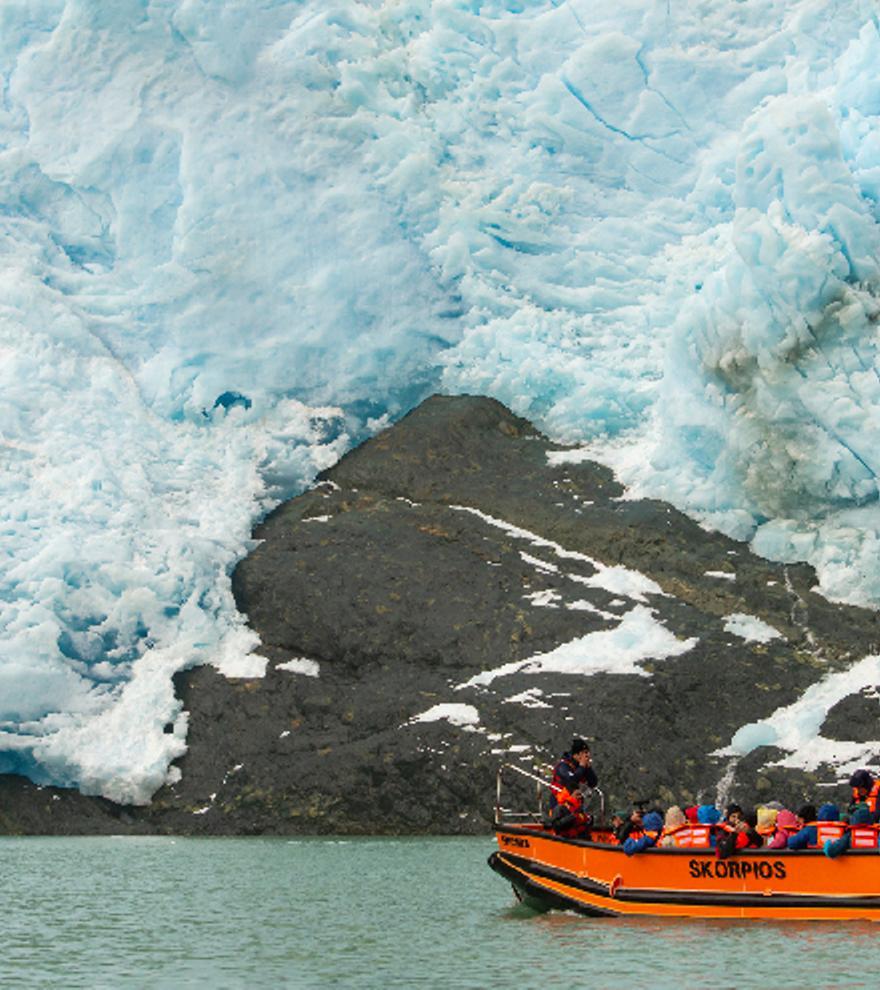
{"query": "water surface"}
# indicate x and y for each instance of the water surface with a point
(360, 913)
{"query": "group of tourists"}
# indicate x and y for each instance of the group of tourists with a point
(769, 826)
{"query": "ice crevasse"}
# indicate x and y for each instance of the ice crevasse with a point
(239, 236)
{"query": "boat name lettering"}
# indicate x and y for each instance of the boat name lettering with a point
(740, 870)
(515, 840)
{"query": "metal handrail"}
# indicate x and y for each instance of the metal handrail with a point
(500, 811)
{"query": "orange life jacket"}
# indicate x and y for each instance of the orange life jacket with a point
(863, 836)
(827, 830)
(691, 836)
(872, 798)
(571, 801)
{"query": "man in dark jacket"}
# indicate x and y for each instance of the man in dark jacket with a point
(574, 769)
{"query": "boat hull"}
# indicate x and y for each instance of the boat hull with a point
(599, 879)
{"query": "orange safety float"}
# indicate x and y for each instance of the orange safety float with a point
(686, 880)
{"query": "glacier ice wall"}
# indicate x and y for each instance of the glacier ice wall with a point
(236, 236)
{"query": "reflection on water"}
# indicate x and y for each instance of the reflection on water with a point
(362, 913)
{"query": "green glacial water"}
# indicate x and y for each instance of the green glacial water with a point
(360, 913)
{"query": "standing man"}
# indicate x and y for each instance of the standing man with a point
(574, 769)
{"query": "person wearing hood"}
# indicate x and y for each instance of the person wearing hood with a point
(568, 818)
(786, 827)
(708, 814)
(861, 815)
(573, 770)
(674, 821)
(807, 837)
(766, 822)
(652, 824)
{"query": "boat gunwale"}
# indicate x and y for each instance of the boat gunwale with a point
(672, 850)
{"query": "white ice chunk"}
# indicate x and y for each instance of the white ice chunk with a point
(544, 599)
(301, 665)
(460, 715)
(750, 628)
(531, 698)
(639, 637)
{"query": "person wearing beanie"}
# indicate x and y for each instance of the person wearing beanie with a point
(653, 825)
(865, 790)
(573, 770)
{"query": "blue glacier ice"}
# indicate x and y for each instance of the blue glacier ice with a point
(239, 236)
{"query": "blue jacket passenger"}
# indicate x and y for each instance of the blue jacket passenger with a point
(836, 847)
(708, 814)
(652, 823)
(807, 835)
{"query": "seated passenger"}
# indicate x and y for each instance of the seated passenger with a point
(865, 790)
(568, 818)
(766, 822)
(691, 814)
(633, 826)
(733, 815)
(573, 769)
(708, 814)
(806, 836)
(672, 823)
(743, 835)
(618, 820)
(786, 827)
(861, 815)
(653, 826)
(862, 834)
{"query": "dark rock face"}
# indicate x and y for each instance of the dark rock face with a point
(855, 718)
(446, 547)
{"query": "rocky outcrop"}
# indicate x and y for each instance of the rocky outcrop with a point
(454, 594)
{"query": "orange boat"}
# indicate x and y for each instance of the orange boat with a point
(597, 878)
